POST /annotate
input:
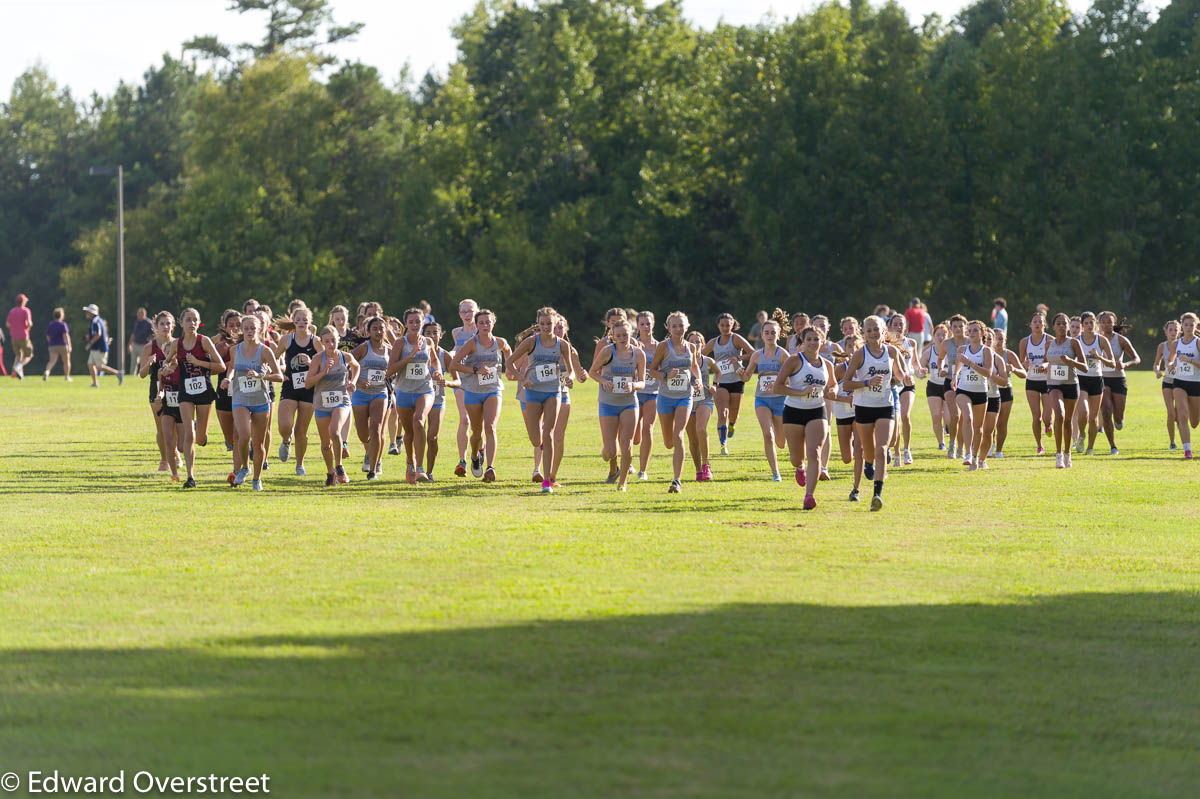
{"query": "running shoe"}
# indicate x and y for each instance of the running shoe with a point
(461, 469)
(869, 471)
(950, 455)
(257, 485)
(972, 467)
(1173, 447)
(266, 465)
(824, 475)
(1067, 459)
(1079, 444)
(1114, 451)
(300, 472)
(340, 473)
(853, 495)
(477, 464)
(421, 476)
(700, 476)
(942, 446)
(631, 470)
(45, 376)
(810, 502)
(1089, 452)
(1058, 460)
(231, 477)
(371, 477)
(612, 477)
(876, 503)
(379, 468)
(983, 465)
(174, 478)
(897, 462)
(345, 452)
(642, 476)
(724, 450)
(240, 477)
(997, 455)
(365, 467)
(801, 477)
(1047, 428)
(489, 475)
(410, 475)
(907, 457)
(707, 473)
(228, 447)
(1041, 451)
(329, 482)
(285, 450)
(393, 449)
(429, 476)
(730, 433)
(621, 487)
(190, 482)
(1118, 425)
(537, 476)
(675, 488)
(776, 478)
(966, 461)
(1187, 454)
(162, 466)
(546, 488)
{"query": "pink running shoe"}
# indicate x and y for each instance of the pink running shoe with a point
(810, 502)
(1041, 451)
(707, 472)
(700, 476)
(1187, 454)
(801, 477)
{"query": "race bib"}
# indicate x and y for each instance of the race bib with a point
(195, 385)
(298, 379)
(545, 372)
(1185, 370)
(249, 385)
(489, 378)
(727, 367)
(875, 389)
(766, 384)
(1059, 371)
(678, 383)
(416, 370)
(972, 376)
(622, 384)
(697, 393)
(332, 399)
(375, 377)
(1093, 364)
(172, 398)
(1039, 369)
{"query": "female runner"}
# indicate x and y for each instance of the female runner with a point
(548, 357)
(1185, 359)
(1163, 371)
(935, 387)
(849, 446)
(995, 381)
(1112, 409)
(798, 322)
(619, 370)
(971, 372)
(195, 356)
(480, 362)
(433, 425)
(806, 380)
(677, 369)
(368, 403)
(413, 359)
(948, 358)
(1012, 365)
(727, 348)
(226, 339)
(252, 365)
(702, 410)
(166, 418)
(1064, 358)
(296, 351)
(1091, 383)
(1037, 393)
(567, 380)
(348, 340)
(768, 403)
(898, 337)
(461, 335)
(330, 375)
(868, 374)
(643, 439)
(832, 353)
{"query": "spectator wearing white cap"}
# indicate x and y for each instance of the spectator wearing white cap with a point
(97, 344)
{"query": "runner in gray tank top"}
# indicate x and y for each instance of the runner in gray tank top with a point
(369, 402)
(466, 312)
(1064, 356)
(676, 366)
(330, 375)
(251, 365)
(479, 361)
(1116, 388)
(433, 425)
(768, 403)
(703, 407)
(643, 439)
(619, 369)
(548, 356)
(1032, 352)
(727, 348)
(948, 357)
(415, 370)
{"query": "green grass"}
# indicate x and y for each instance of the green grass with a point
(1019, 632)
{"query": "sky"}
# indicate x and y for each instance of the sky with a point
(91, 45)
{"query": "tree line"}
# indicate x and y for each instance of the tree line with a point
(590, 153)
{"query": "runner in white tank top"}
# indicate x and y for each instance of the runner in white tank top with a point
(1185, 359)
(1037, 393)
(869, 374)
(971, 373)
(1165, 373)
(1116, 389)
(1098, 353)
(806, 380)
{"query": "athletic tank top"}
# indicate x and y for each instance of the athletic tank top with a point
(968, 378)
(545, 364)
(728, 361)
(164, 383)
(621, 372)
(934, 377)
(461, 337)
(250, 391)
(652, 384)
(874, 396)
(1036, 353)
(330, 391)
(993, 387)
(439, 390)
(1114, 344)
(483, 357)
(1168, 371)
(295, 372)
(679, 386)
(809, 375)
(373, 367)
(1059, 373)
(951, 357)
(768, 367)
(193, 379)
(702, 391)
(1187, 371)
(1091, 353)
(416, 376)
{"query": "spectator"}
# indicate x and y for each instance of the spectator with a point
(58, 338)
(1000, 314)
(97, 344)
(428, 311)
(755, 336)
(20, 321)
(916, 325)
(143, 329)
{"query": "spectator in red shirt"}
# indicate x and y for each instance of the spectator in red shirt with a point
(916, 325)
(20, 321)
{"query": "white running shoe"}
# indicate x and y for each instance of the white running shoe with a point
(642, 476)
(972, 467)
(950, 454)
(477, 464)
(1058, 460)
(300, 471)
(1067, 460)
(365, 468)
(1089, 452)
(257, 485)
(997, 455)
(942, 446)
(775, 478)
(1114, 451)
(285, 449)
(897, 461)
(907, 457)
(983, 465)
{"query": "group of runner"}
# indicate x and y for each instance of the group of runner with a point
(389, 375)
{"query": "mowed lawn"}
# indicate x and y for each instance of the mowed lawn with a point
(1017, 632)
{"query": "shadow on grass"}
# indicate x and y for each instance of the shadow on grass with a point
(1080, 695)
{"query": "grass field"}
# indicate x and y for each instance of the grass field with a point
(1017, 632)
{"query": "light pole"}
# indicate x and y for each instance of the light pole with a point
(119, 171)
